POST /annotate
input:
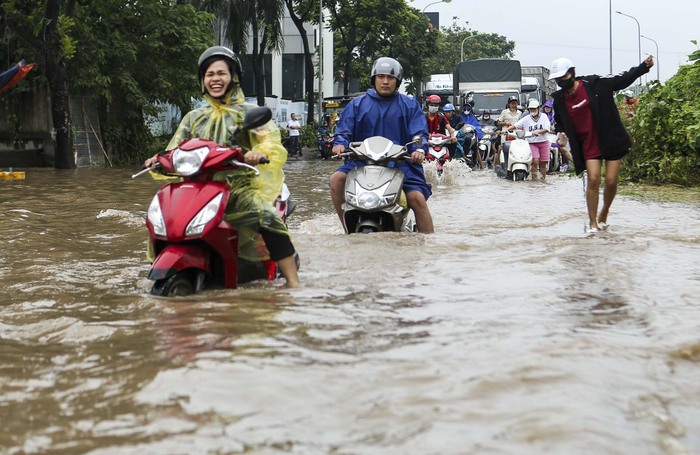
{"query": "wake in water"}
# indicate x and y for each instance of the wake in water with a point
(454, 172)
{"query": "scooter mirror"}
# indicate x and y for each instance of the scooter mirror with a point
(257, 117)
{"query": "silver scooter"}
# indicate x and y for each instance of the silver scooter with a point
(374, 197)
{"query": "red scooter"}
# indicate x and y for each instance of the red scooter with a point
(437, 150)
(194, 246)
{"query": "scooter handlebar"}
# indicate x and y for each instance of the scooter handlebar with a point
(145, 169)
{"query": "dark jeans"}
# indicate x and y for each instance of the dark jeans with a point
(294, 146)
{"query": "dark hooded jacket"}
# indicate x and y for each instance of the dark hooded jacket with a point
(613, 139)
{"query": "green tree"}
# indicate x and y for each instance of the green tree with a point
(476, 45)
(666, 130)
(126, 56)
(367, 29)
(127, 73)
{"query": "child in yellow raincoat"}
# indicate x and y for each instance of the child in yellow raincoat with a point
(250, 209)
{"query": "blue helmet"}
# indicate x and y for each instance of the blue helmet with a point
(448, 107)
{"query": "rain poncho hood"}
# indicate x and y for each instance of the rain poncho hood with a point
(469, 118)
(252, 197)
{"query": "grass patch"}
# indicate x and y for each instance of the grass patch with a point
(669, 193)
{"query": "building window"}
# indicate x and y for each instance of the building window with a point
(293, 77)
(249, 75)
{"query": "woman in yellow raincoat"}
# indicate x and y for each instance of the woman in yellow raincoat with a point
(250, 209)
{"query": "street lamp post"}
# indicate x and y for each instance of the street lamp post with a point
(461, 53)
(610, 28)
(639, 38)
(658, 78)
(434, 3)
(320, 62)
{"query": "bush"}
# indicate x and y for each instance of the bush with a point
(666, 130)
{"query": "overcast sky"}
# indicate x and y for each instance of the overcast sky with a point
(580, 30)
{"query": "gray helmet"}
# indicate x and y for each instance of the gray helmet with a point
(219, 53)
(387, 65)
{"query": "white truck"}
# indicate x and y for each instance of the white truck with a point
(489, 82)
(536, 84)
(441, 85)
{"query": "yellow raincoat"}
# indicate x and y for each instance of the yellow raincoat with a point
(251, 205)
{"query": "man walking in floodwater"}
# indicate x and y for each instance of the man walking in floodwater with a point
(585, 112)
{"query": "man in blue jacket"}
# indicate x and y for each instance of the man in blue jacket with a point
(382, 111)
(585, 112)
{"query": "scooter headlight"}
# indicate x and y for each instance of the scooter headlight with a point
(155, 216)
(368, 200)
(196, 226)
(187, 162)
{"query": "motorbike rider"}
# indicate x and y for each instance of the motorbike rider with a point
(629, 105)
(383, 111)
(585, 110)
(548, 110)
(449, 111)
(538, 125)
(487, 120)
(508, 117)
(562, 142)
(437, 122)
(250, 208)
(468, 118)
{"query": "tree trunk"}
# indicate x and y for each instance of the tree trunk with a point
(60, 100)
(258, 60)
(346, 76)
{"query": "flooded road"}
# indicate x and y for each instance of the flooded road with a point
(506, 332)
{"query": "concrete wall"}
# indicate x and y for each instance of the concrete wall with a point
(25, 129)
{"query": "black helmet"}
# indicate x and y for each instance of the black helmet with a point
(219, 53)
(387, 65)
(512, 98)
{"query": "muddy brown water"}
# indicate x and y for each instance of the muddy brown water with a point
(506, 332)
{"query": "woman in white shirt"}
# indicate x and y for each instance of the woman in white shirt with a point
(538, 125)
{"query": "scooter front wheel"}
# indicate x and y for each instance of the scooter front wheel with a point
(519, 175)
(179, 284)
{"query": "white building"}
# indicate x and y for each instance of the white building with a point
(285, 71)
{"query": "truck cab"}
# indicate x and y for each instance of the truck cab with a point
(489, 82)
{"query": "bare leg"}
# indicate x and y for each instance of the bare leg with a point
(417, 203)
(564, 151)
(612, 172)
(288, 267)
(337, 184)
(544, 165)
(533, 168)
(593, 168)
(477, 152)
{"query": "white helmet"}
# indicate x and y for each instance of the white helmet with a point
(559, 67)
(533, 104)
(628, 93)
